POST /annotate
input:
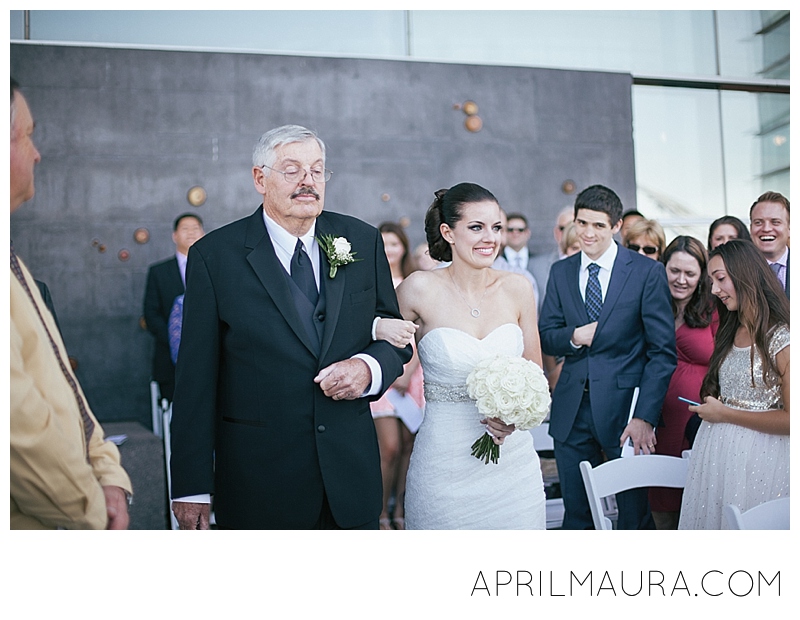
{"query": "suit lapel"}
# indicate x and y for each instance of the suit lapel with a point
(269, 271)
(334, 288)
(574, 285)
(619, 276)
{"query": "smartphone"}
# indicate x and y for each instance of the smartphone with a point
(686, 400)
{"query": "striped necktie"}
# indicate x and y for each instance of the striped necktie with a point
(88, 423)
(594, 294)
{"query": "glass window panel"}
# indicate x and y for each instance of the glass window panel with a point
(678, 158)
(740, 49)
(645, 42)
(743, 158)
(350, 32)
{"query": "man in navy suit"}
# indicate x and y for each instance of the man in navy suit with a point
(165, 282)
(607, 311)
(769, 230)
(277, 362)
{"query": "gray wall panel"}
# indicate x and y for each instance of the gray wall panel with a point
(125, 133)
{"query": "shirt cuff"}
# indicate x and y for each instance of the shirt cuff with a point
(377, 374)
(203, 498)
(375, 328)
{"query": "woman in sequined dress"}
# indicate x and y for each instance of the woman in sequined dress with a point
(741, 453)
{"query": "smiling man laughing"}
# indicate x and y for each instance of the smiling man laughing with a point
(769, 229)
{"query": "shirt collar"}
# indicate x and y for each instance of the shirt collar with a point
(782, 260)
(606, 260)
(281, 237)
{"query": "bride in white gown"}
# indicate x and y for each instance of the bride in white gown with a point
(466, 312)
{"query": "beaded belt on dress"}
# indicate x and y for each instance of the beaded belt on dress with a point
(444, 393)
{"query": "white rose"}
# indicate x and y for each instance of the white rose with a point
(341, 246)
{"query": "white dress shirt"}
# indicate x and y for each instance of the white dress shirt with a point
(517, 259)
(182, 258)
(606, 263)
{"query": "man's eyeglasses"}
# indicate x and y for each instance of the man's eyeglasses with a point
(295, 175)
(519, 230)
(648, 249)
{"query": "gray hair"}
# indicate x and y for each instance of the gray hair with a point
(264, 150)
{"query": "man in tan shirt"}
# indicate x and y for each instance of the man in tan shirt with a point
(63, 472)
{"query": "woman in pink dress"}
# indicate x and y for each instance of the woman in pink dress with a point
(695, 327)
(395, 439)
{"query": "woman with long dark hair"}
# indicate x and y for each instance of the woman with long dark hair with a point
(741, 453)
(695, 326)
(468, 312)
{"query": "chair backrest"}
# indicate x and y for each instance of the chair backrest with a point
(771, 515)
(646, 470)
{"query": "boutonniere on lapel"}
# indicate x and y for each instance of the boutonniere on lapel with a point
(338, 251)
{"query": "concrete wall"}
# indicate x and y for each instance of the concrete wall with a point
(125, 133)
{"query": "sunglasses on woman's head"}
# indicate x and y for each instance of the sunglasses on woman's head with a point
(648, 249)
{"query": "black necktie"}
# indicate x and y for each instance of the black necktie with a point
(303, 273)
(594, 294)
(88, 423)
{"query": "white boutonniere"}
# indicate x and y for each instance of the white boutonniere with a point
(338, 251)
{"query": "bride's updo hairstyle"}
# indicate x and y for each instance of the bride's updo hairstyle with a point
(448, 208)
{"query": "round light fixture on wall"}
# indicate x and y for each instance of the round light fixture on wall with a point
(141, 236)
(196, 196)
(568, 186)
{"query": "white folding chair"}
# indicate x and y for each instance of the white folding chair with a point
(645, 470)
(771, 515)
(156, 409)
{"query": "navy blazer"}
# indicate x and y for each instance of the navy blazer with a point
(634, 344)
(248, 422)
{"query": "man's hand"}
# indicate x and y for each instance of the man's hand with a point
(642, 434)
(116, 508)
(345, 380)
(192, 516)
(584, 335)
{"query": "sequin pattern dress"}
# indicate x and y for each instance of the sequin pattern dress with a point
(447, 488)
(731, 464)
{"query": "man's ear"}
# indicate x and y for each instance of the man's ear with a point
(258, 180)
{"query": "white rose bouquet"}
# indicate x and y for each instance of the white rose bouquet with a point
(338, 251)
(512, 389)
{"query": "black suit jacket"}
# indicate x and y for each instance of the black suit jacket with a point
(164, 284)
(633, 346)
(249, 424)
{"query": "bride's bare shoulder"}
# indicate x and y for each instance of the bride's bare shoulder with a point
(422, 280)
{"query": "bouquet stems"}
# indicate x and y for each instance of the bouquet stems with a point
(485, 449)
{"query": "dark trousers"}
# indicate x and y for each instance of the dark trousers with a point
(582, 444)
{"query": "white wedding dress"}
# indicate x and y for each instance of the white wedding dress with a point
(447, 488)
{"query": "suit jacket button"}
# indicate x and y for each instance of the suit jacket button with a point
(321, 428)
(320, 317)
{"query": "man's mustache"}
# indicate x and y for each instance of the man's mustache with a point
(306, 190)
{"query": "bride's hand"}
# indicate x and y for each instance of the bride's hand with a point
(395, 331)
(498, 429)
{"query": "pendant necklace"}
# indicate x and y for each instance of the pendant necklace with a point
(474, 311)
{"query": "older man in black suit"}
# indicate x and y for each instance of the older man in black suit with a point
(277, 365)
